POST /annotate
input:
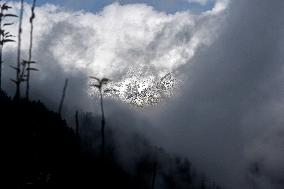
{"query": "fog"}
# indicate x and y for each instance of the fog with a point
(227, 115)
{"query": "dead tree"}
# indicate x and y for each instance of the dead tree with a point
(63, 96)
(154, 175)
(77, 124)
(29, 62)
(19, 79)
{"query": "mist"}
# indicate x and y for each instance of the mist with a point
(226, 117)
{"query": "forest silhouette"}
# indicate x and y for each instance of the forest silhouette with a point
(42, 151)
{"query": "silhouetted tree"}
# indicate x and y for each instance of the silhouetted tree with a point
(29, 62)
(19, 79)
(77, 123)
(63, 96)
(99, 85)
(5, 36)
(154, 175)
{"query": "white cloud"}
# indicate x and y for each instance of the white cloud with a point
(219, 5)
(119, 39)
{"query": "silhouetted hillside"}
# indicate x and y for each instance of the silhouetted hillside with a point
(39, 148)
(41, 151)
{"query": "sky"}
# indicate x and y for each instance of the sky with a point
(226, 116)
(169, 6)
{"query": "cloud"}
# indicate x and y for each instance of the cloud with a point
(227, 117)
(126, 43)
(168, 6)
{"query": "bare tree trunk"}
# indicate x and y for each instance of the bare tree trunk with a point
(154, 175)
(1, 51)
(30, 51)
(18, 73)
(1, 62)
(77, 124)
(63, 96)
(102, 125)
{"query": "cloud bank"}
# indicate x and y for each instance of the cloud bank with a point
(229, 117)
(129, 44)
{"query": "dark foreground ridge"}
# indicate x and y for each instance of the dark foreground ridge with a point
(41, 151)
